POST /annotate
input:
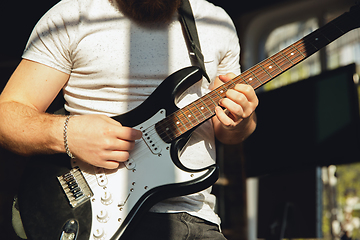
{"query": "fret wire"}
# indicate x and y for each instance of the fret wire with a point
(241, 80)
(159, 126)
(292, 53)
(333, 23)
(168, 124)
(172, 123)
(313, 45)
(273, 71)
(212, 98)
(207, 99)
(326, 38)
(345, 23)
(287, 58)
(298, 56)
(201, 112)
(336, 31)
(285, 64)
(230, 85)
(262, 76)
(165, 129)
(220, 91)
(306, 49)
(192, 115)
(182, 119)
(270, 68)
(257, 69)
(236, 80)
(302, 50)
(209, 110)
(254, 82)
(161, 133)
(215, 91)
(244, 80)
(271, 58)
(297, 49)
(333, 26)
(282, 61)
(316, 38)
(257, 78)
(247, 77)
(265, 70)
(316, 35)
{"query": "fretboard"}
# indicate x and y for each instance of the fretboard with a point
(194, 114)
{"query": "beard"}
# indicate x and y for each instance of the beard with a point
(149, 11)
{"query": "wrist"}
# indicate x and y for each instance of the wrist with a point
(65, 135)
(236, 134)
(55, 137)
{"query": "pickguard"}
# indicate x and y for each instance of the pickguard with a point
(116, 192)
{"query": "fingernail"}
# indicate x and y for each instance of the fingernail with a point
(220, 102)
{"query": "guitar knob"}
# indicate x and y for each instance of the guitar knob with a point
(99, 233)
(103, 216)
(106, 198)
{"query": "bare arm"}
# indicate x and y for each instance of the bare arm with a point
(238, 121)
(26, 129)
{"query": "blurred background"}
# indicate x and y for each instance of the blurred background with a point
(298, 175)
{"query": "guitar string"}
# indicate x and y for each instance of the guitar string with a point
(301, 46)
(206, 101)
(285, 58)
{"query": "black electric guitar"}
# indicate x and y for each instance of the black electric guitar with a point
(67, 199)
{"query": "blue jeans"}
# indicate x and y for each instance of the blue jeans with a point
(175, 226)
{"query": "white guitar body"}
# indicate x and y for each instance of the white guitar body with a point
(83, 202)
(115, 192)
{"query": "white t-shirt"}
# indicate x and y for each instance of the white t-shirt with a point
(115, 64)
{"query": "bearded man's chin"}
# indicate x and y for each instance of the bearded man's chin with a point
(149, 11)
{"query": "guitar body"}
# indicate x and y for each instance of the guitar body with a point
(43, 205)
(64, 199)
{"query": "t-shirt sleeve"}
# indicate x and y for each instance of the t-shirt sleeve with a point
(51, 39)
(231, 59)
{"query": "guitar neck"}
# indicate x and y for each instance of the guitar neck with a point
(194, 114)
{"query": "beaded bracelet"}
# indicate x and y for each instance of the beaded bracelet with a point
(66, 145)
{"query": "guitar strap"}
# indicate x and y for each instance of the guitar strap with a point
(189, 26)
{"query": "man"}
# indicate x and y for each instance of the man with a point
(108, 56)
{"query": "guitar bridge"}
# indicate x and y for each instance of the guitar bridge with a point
(75, 187)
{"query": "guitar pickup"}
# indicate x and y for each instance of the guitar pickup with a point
(151, 138)
(75, 187)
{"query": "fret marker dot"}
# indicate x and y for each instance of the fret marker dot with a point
(202, 108)
(189, 115)
(167, 129)
(270, 67)
(178, 122)
(221, 91)
(291, 53)
(250, 79)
